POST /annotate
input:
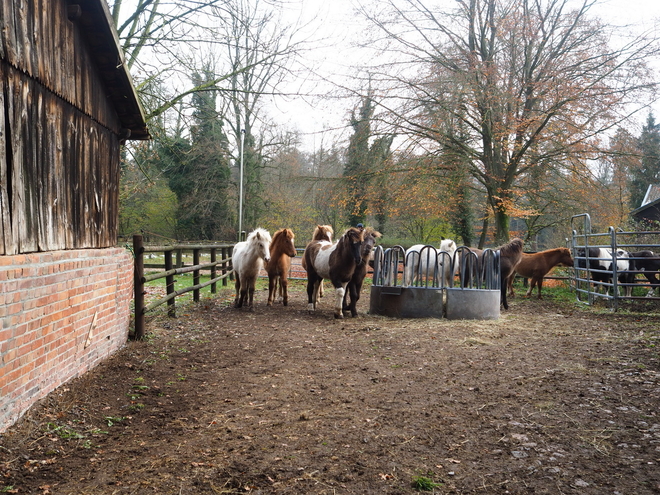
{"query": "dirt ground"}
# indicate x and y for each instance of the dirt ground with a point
(551, 398)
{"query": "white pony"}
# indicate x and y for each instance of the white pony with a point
(421, 260)
(248, 259)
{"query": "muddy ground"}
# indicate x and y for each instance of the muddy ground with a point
(551, 398)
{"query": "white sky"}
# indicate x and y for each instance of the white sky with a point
(337, 21)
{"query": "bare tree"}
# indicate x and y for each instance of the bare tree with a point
(531, 81)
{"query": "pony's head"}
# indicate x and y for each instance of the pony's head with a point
(283, 242)
(565, 257)
(449, 246)
(259, 239)
(355, 238)
(370, 238)
(323, 233)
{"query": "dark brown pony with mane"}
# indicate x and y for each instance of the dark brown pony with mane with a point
(510, 256)
(336, 262)
(352, 294)
(282, 249)
(537, 265)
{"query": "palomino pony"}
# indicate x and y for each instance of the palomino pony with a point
(336, 262)
(421, 260)
(355, 285)
(248, 259)
(537, 265)
(321, 233)
(282, 249)
(510, 255)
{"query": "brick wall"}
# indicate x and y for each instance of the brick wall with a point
(61, 313)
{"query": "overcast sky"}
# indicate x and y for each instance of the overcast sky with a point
(336, 21)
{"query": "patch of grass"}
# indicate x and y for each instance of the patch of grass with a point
(136, 408)
(425, 483)
(113, 420)
(63, 432)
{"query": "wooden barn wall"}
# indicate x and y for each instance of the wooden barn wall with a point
(59, 148)
(59, 172)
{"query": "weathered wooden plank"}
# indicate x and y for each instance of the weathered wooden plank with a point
(5, 226)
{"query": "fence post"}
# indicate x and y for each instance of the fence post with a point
(214, 271)
(196, 275)
(138, 286)
(169, 284)
(224, 266)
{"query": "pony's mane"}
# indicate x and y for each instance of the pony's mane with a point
(323, 233)
(370, 231)
(512, 248)
(258, 232)
(282, 234)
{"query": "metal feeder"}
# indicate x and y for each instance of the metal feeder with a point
(415, 287)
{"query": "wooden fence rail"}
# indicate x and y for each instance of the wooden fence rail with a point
(171, 269)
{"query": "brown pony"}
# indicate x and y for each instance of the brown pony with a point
(510, 255)
(355, 285)
(537, 265)
(321, 233)
(336, 262)
(282, 249)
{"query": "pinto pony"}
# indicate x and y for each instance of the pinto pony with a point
(352, 294)
(321, 233)
(282, 249)
(537, 265)
(248, 259)
(336, 262)
(510, 255)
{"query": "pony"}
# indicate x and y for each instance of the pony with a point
(355, 285)
(537, 265)
(282, 249)
(336, 262)
(601, 263)
(420, 258)
(321, 233)
(248, 259)
(510, 255)
(645, 262)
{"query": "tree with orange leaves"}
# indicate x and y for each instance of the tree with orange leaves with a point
(535, 83)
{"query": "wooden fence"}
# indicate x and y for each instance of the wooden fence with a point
(174, 267)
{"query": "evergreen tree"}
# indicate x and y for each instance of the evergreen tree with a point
(357, 165)
(364, 165)
(198, 171)
(649, 170)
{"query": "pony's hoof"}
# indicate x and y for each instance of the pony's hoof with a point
(269, 303)
(339, 316)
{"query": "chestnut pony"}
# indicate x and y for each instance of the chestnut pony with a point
(537, 265)
(336, 262)
(282, 249)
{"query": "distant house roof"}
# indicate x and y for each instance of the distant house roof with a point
(650, 209)
(97, 26)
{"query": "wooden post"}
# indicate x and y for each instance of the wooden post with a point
(138, 286)
(214, 271)
(196, 275)
(224, 266)
(179, 258)
(169, 284)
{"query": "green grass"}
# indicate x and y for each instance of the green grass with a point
(425, 483)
